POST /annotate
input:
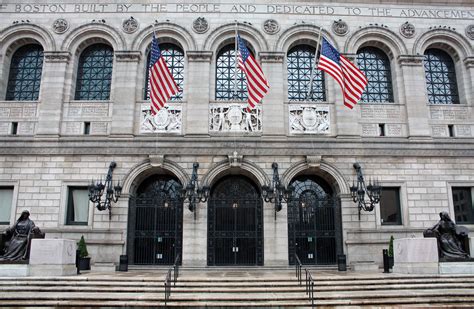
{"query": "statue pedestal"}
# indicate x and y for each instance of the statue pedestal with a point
(14, 270)
(415, 256)
(456, 268)
(52, 257)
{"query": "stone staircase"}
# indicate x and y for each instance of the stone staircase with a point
(257, 287)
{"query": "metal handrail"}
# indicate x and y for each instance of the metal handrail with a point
(309, 281)
(175, 270)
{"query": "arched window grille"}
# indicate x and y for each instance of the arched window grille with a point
(440, 77)
(300, 62)
(94, 74)
(225, 82)
(174, 57)
(25, 74)
(376, 66)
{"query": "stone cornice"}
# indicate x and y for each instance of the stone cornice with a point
(469, 62)
(199, 55)
(127, 55)
(56, 56)
(272, 57)
(410, 60)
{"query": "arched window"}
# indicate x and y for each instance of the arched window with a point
(300, 62)
(225, 76)
(440, 77)
(376, 66)
(94, 74)
(174, 57)
(25, 74)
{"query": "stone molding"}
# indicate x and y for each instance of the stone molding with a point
(127, 55)
(199, 55)
(56, 56)
(272, 57)
(224, 167)
(469, 62)
(410, 60)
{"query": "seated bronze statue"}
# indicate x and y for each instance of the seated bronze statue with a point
(15, 241)
(450, 238)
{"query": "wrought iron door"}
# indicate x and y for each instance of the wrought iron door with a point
(235, 223)
(313, 223)
(156, 222)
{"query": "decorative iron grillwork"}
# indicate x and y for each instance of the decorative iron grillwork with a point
(440, 77)
(376, 66)
(156, 222)
(300, 62)
(174, 57)
(94, 74)
(25, 74)
(225, 82)
(313, 222)
(235, 223)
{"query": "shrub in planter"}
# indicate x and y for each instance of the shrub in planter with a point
(84, 262)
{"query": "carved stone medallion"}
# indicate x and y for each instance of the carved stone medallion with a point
(340, 27)
(271, 26)
(470, 32)
(407, 30)
(60, 25)
(130, 25)
(200, 25)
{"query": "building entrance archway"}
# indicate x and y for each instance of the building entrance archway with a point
(235, 223)
(155, 224)
(314, 222)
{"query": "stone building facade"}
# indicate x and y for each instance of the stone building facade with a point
(420, 149)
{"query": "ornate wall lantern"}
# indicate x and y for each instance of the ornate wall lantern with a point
(359, 191)
(96, 191)
(276, 193)
(193, 193)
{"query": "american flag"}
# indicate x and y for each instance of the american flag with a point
(257, 84)
(161, 83)
(348, 76)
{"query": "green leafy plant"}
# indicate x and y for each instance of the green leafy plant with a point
(390, 246)
(81, 246)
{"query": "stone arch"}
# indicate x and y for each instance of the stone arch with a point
(246, 168)
(448, 40)
(143, 170)
(379, 37)
(324, 170)
(91, 33)
(304, 33)
(13, 37)
(173, 33)
(223, 34)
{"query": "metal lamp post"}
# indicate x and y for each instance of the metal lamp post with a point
(193, 193)
(112, 193)
(360, 190)
(276, 193)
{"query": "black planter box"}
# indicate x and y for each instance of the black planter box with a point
(84, 263)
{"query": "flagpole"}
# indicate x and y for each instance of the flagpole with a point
(236, 59)
(310, 88)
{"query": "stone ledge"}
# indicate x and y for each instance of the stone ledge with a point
(14, 270)
(456, 268)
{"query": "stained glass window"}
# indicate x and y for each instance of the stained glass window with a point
(94, 74)
(376, 67)
(300, 62)
(440, 77)
(25, 74)
(174, 57)
(225, 76)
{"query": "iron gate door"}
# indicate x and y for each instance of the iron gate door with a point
(155, 222)
(235, 223)
(313, 223)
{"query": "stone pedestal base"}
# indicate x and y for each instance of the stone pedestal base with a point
(415, 256)
(456, 268)
(415, 268)
(52, 270)
(365, 267)
(14, 270)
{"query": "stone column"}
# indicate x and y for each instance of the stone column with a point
(275, 118)
(199, 76)
(52, 93)
(124, 92)
(469, 79)
(416, 99)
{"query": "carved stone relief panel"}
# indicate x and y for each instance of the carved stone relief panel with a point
(234, 117)
(449, 112)
(4, 128)
(309, 119)
(99, 128)
(370, 129)
(88, 109)
(73, 128)
(393, 129)
(463, 130)
(167, 120)
(440, 131)
(26, 128)
(381, 111)
(14, 110)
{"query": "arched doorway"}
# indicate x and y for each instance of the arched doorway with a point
(235, 223)
(155, 224)
(314, 222)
